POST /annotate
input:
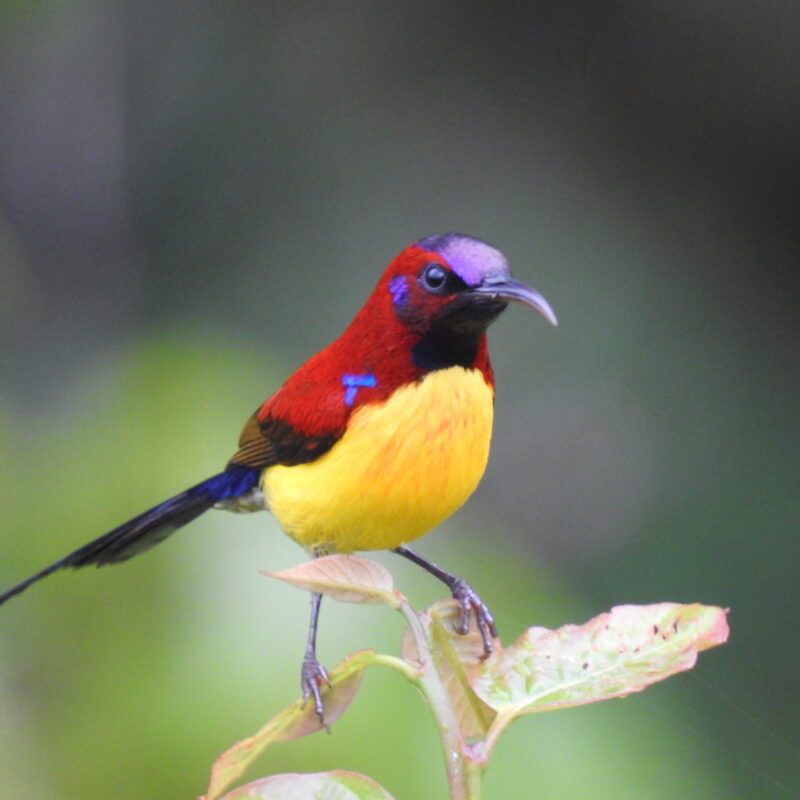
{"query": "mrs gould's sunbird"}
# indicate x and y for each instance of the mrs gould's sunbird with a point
(374, 440)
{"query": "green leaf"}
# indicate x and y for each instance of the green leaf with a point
(296, 720)
(454, 655)
(619, 652)
(335, 785)
(347, 578)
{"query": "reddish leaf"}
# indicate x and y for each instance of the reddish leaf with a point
(335, 785)
(296, 720)
(349, 579)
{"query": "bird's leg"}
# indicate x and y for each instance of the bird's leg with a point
(465, 595)
(312, 673)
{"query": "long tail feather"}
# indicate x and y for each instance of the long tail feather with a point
(153, 526)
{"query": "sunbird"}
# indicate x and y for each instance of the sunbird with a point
(374, 440)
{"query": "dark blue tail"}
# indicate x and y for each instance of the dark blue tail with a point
(153, 526)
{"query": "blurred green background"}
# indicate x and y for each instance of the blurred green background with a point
(194, 197)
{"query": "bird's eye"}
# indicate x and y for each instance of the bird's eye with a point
(433, 278)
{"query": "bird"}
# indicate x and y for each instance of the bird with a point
(373, 441)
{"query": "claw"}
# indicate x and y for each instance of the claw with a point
(466, 597)
(312, 676)
(471, 603)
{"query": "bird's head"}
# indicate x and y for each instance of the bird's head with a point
(456, 283)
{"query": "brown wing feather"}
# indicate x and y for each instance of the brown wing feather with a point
(263, 443)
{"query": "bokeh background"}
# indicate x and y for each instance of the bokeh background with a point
(194, 197)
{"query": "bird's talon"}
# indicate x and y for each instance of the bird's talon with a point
(471, 603)
(312, 676)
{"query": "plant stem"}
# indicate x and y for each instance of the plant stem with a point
(403, 667)
(463, 772)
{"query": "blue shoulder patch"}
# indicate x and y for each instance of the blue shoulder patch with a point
(352, 384)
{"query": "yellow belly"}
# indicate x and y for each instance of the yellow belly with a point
(402, 467)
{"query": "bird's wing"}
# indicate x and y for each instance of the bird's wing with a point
(269, 441)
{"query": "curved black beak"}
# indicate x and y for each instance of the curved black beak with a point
(514, 291)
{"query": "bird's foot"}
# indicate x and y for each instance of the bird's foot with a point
(471, 603)
(312, 676)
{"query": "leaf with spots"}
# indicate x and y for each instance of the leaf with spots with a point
(619, 652)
